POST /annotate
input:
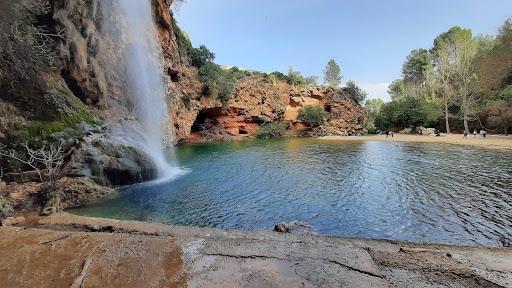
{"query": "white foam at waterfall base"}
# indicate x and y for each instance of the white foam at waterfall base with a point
(143, 54)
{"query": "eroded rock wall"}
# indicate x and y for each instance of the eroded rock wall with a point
(257, 100)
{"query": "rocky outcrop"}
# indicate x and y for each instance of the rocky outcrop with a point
(30, 198)
(257, 100)
(114, 156)
(73, 192)
(13, 221)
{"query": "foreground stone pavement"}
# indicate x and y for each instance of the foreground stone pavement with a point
(72, 251)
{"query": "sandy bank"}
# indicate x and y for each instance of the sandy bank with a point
(499, 142)
(67, 250)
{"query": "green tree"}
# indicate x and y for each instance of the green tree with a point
(396, 89)
(200, 56)
(311, 80)
(295, 77)
(464, 49)
(374, 105)
(332, 75)
(443, 79)
(312, 115)
(356, 93)
(414, 70)
(457, 49)
(485, 43)
(409, 111)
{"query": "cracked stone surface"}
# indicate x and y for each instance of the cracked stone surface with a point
(72, 251)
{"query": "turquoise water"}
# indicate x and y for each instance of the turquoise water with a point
(419, 192)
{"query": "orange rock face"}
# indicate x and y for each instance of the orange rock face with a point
(12, 221)
(256, 100)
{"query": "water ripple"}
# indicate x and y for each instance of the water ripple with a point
(406, 191)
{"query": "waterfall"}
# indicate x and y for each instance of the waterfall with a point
(143, 55)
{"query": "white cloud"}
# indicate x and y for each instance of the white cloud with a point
(376, 90)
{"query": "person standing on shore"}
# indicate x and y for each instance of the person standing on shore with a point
(474, 133)
(465, 134)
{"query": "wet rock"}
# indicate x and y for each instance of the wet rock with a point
(12, 221)
(116, 156)
(85, 128)
(282, 227)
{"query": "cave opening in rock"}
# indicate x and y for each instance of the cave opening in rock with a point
(75, 87)
(173, 74)
(205, 118)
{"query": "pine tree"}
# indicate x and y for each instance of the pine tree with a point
(332, 76)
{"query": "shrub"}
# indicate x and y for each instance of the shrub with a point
(182, 39)
(312, 115)
(217, 83)
(5, 207)
(186, 100)
(271, 130)
(236, 72)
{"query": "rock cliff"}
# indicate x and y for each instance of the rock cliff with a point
(91, 70)
(257, 100)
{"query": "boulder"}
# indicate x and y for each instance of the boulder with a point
(282, 227)
(12, 221)
(3, 186)
(114, 156)
(406, 131)
(426, 131)
(74, 192)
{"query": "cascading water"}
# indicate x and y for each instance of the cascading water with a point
(142, 52)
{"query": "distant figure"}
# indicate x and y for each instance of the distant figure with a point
(437, 132)
(387, 134)
(482, 133)
(465, 134)
(391, 133)
(474, 133)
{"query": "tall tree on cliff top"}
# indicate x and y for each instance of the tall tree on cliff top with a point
(332, 75)
(356, 93)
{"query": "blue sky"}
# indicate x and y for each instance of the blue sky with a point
(368, 39)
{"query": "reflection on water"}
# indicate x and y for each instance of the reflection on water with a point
(407, 191)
